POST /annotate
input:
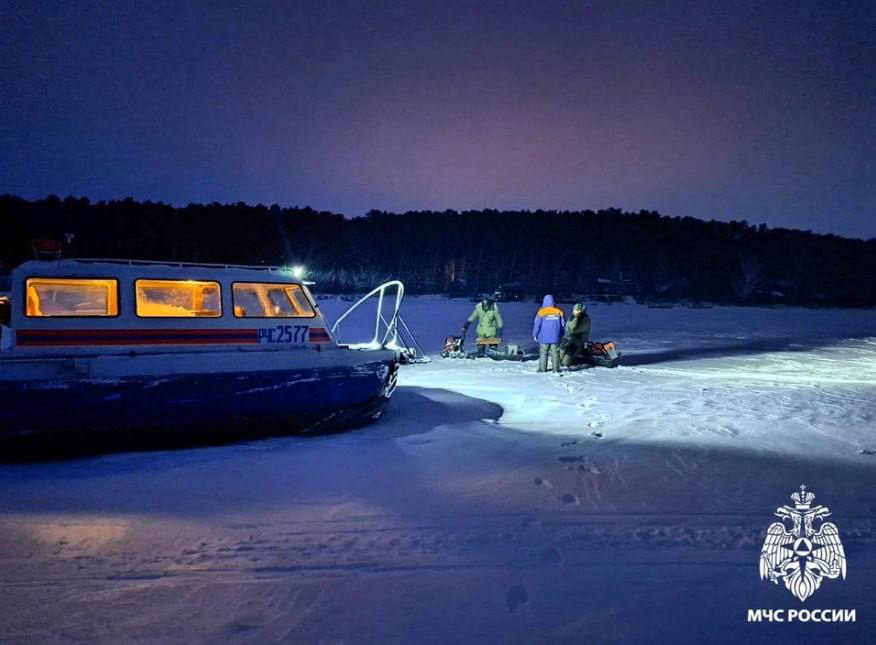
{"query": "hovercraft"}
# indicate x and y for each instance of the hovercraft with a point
(112, 348)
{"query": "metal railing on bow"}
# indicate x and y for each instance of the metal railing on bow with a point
(390, 331)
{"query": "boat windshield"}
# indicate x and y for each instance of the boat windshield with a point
(270, 300)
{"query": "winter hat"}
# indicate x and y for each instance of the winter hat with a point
(579, 306)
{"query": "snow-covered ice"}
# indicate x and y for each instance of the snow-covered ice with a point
(490, 504)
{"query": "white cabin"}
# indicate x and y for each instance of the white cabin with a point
(75, 306)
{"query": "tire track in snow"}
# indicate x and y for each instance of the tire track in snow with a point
(517, 541)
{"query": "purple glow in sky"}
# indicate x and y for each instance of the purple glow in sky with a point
(742, 110)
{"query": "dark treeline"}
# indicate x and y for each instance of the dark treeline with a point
(471, 251)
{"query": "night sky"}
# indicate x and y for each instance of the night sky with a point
(764, 111)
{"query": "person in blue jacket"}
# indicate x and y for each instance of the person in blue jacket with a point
(547, 330)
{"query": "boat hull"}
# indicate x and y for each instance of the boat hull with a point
(154, 411)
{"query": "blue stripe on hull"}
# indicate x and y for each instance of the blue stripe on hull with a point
(293, 399)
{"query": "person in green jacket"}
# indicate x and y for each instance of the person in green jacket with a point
(576, 339)
(489, 329)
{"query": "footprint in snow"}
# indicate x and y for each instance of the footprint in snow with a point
(542, 482)
(529, 521)
(515, 596)
(236, 627)
(550, 555)
(586, 466)
(569, 498)
(866, 451)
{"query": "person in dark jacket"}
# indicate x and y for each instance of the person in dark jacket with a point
(576, 340)
(547, 329)
(489, 329)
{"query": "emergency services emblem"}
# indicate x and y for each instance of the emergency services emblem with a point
(798, 553)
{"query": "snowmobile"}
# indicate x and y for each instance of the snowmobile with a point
(599, 355)
(604, 354)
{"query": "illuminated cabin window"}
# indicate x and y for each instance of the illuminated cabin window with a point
(5, 314)
(178, 299)
(270, 300)
(48, 297)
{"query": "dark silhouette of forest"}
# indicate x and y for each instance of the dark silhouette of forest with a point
(645, 254)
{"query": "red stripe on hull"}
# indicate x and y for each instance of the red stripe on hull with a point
(135, 332)
(109, 337)
(71, 337)
(168, 341)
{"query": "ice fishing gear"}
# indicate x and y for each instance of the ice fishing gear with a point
(453, 347)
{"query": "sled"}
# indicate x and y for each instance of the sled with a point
(510, 352)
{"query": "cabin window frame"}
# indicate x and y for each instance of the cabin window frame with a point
(313, 306)
(118, 294)
(218, 283)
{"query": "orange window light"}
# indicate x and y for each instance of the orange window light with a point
(71, 297)
(178, 299)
